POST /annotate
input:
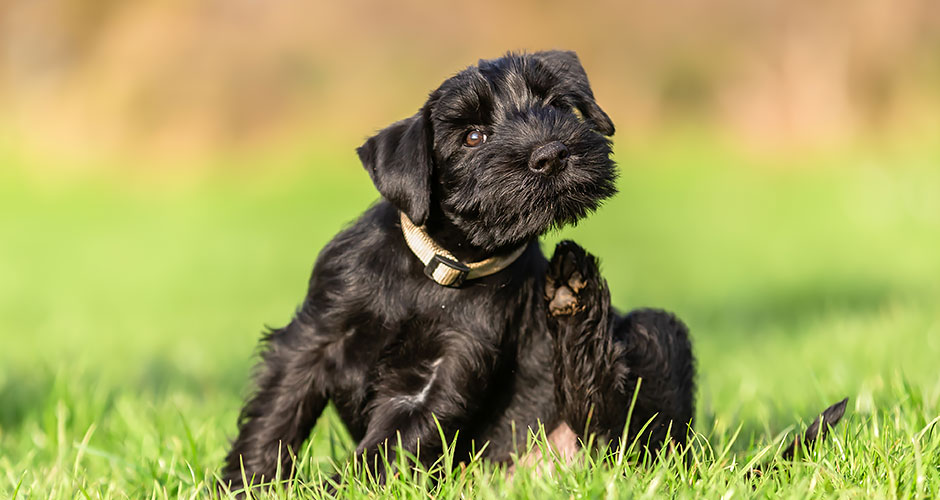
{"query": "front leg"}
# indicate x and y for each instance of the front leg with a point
(426, 387)
(601, 357)
(275, 422)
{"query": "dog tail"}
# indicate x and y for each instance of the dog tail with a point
(815, 433)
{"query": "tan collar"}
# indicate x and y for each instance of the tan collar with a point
(441, 265)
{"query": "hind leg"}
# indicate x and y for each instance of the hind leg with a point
(600, 358)
(658, 352)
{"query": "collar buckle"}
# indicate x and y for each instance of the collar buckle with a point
(453, 275)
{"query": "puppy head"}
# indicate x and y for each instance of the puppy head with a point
(505, 151)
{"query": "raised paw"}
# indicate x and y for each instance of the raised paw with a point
(572, 276)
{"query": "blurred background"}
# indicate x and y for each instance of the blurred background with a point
(170, 169)
(177, 79)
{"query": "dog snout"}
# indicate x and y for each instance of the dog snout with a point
(549, 158)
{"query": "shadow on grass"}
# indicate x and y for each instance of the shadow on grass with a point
(33, 393)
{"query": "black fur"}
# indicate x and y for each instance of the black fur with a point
(601, 357)
(393, 350)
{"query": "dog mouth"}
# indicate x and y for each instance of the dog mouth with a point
(583, 177)
(577, 190)
(522, 204)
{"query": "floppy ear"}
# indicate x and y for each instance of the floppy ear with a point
(399, 162)
(565, 64)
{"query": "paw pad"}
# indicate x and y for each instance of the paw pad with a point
(564, 302)
(569, 275)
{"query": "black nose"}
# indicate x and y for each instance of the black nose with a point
(549, 158)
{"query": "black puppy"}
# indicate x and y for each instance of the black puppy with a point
(438, 303)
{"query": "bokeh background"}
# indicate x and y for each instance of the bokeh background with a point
(170, 169)
(173, 78)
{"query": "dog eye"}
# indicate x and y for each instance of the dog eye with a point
(474, 138)
(563, 104)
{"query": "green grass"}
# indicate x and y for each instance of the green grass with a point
(129, 314)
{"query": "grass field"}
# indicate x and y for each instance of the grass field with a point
(129, 313)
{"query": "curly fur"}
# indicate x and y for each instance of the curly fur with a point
(393, 351)
(600, 358)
